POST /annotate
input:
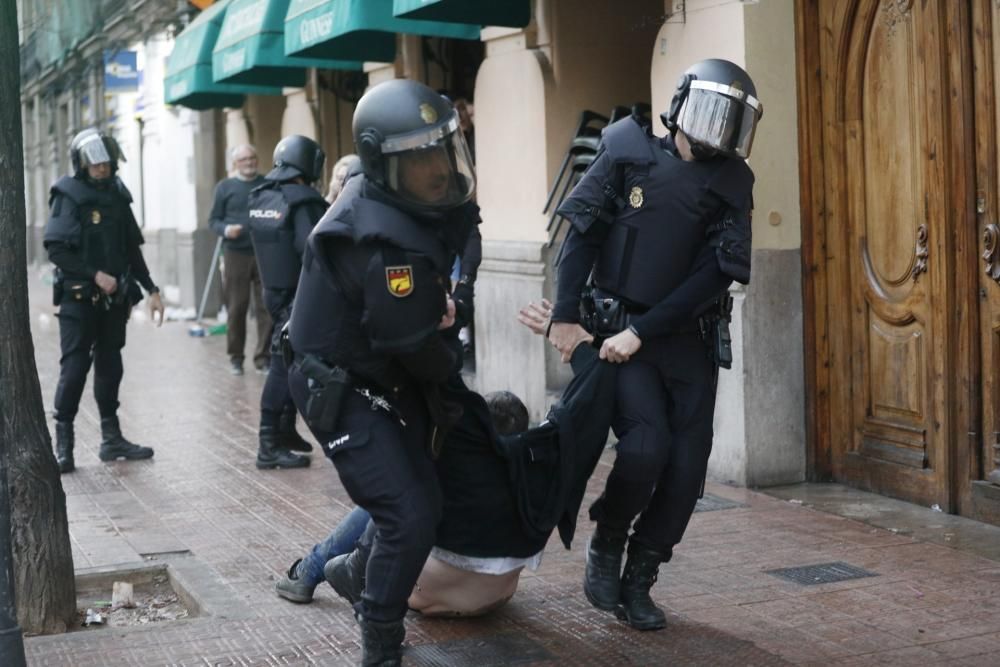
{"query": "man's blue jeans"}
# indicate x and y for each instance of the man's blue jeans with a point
(341, 541)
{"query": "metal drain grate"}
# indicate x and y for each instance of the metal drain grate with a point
(824, 573)
(710, 503)
(494, 651)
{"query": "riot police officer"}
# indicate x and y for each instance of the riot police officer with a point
(283, 211)
(664, 227)
(93, 239)
(369, 358)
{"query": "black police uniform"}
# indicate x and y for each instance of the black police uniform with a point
(92, 229)
(665, 237)
(282, 214)
(371, 296)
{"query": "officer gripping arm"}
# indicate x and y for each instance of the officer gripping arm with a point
(469, 262)
(589, 221)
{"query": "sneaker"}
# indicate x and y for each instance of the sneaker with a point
(294, 589)
(262, 366)
(236, 367)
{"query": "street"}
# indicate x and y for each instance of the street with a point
(201, 508)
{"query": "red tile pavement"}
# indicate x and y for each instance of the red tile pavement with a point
(201, 506)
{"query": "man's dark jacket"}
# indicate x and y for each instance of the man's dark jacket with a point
(503, 495)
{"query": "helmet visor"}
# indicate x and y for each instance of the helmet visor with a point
(721, 117)
(432, 172)
(93, 151)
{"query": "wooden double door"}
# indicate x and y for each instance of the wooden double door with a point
(899, 124)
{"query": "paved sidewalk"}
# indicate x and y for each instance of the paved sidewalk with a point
(201, 507)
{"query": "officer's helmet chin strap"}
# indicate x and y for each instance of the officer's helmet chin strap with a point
(698, 151)
(97, 182)
(702, 152)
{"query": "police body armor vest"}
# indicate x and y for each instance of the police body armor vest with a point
(100, 226)
(327, 318)
(271, 227)
(668, 209)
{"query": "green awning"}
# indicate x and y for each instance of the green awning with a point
(251, 48)
(356, 29)
(188, 81)
(507, 13)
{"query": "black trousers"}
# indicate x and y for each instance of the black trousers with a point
(663, 420)
(384, 467)
(275, 398)
(89, 334)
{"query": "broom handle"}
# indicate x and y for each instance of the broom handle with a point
(208, 280)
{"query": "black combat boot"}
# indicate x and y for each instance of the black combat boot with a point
(64, 446)
(381, 642)
(637, 607)
(602, 578)
(271, 455)
(114, 446)
(288, 437)
(346, 573)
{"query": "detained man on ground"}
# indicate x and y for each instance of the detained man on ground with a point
(492, 527)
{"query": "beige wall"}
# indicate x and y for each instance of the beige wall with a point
(770, 58)
(510, 138)
(237, 132)
(258, 123)
(299, 116)
(264, 114)
(708, 29)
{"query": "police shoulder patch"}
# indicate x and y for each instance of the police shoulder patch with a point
(399, 280)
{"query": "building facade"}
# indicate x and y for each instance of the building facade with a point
(865, 345)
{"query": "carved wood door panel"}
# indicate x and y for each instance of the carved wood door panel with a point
(888, 234)
(980, 471)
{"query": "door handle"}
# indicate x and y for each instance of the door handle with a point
(991, 251)
(922, 253)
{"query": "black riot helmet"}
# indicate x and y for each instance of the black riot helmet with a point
(716, 106)
(90, 147)
(296, 156)
(412, 148)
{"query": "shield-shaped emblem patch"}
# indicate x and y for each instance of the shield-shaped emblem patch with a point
(635, 197)
(399, 280)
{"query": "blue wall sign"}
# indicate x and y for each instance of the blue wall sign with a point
(121, 74)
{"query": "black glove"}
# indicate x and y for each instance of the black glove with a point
(463, 295)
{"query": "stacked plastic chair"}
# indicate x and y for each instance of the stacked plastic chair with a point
(580, 155)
